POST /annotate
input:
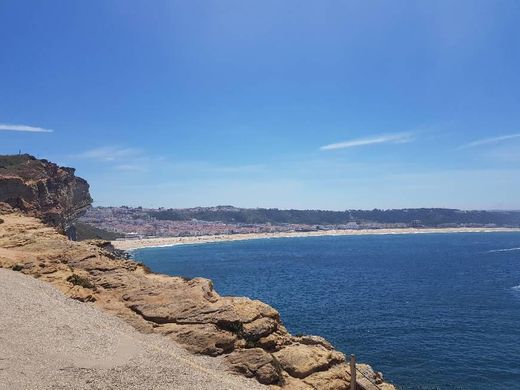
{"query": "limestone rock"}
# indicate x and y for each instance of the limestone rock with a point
(204, 339)
(336, 378)
(302, 360)
(181, 302)
(249, 310)
(42, 189)
(370, 379)
(275, 341)
(257, 363)
(313, 340)
(82, 295)
(294, 384)
(259, 328)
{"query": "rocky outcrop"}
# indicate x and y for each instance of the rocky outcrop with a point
(43, 189)
(246, 334)
(257, 363)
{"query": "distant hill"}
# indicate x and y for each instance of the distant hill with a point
(421, 216)
(84, 231)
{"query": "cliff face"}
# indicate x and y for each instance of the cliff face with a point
(246, 334)
(43, 189)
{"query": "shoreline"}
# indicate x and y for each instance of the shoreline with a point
(159, 242)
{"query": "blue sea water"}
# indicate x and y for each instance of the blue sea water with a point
(431, 311)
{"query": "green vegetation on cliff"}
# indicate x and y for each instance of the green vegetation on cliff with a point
(84, 231)
(423, 216)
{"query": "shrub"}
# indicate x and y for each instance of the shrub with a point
(250, 344)
(17, 267)
(235, 327)
(78, 280)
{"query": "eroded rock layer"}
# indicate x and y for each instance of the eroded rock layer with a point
(247, 334)
(40, 200)
(43, 189)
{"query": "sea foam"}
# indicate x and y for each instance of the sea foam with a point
(504, 250)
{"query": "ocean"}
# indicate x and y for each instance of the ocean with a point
(431, 311)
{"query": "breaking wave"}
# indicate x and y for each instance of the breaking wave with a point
(504, 250)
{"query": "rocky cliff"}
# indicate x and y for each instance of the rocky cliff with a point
(246, 334)
(43, 189)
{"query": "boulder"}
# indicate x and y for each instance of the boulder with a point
(259, 328)
(335, 378)
(204, 339)
(256, 363)
(275, 341)
(301, 360)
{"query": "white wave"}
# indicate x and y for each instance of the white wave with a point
(504, 250)
(516, 288)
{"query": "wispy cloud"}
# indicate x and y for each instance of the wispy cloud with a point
(397, 138)
(487, 141)
(208, 167)
(137, 168)
(120, 158)
(24, 128)
(110, 153)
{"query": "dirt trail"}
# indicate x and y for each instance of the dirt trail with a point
(48, 341)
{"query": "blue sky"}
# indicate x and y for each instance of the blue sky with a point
(303, 104)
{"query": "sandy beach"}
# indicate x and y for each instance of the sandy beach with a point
(131, 244)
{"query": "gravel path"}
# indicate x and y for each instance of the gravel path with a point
(48, 341)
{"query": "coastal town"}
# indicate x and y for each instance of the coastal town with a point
(138, 222)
